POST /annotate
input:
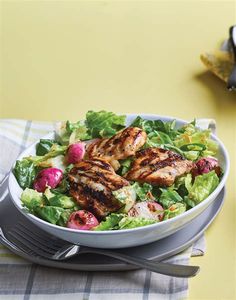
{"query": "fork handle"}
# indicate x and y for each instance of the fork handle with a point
(232, 79)
(157, 267)
(232, 38)
(231, 84)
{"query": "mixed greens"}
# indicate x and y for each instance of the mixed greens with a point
(46, 190)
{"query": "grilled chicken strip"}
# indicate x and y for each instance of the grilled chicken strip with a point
(158, 167)
(91, 185)
(120, 146)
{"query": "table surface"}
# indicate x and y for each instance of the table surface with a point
(62, 58)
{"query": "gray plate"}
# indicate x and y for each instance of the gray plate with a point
(159, 250)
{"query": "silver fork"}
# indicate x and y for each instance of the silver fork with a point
(41, 244)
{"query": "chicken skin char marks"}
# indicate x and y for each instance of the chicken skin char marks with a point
(158, 166)
(91, 185)
(120, 146)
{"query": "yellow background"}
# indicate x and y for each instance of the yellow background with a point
(61, 58)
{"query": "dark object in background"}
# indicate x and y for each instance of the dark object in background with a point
(231, 84)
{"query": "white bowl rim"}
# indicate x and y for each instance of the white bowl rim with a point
(120, 231)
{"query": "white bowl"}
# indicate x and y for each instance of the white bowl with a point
(128, 237)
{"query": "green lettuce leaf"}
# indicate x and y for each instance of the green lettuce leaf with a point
(64, 217)
(25, 172)
(51, 214)
(54, 162)
(103, 123)
(183, 184)
(143, 191)
(157, 139)
(110, 222)
(55, 151)
(97, 125)
(174, 210)
(48, 207)
(59, 200)
(125, 165)
(63, 187)
(121, 221)
(133, 222)
(32, 199)
(126, 196)
(195, 143)
(169, 197)
(150, 126)
(78, 131)
(55, 158)
(69, 132)
(44, 146)
(202, 187)
(159, 134)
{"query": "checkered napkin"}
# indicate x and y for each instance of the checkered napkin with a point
(20, 279)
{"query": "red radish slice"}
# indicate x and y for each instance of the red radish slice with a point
(206, 165)
(75, 153)
(50, 177)
(82, 220)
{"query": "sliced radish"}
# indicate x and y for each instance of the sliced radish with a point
(82, 220)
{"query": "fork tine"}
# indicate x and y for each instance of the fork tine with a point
(42, 237)
(23, 246)
(31, 239)
(28, 246)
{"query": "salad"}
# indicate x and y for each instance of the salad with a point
(100, 175)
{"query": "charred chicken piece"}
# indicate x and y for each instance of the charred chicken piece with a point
(120, 146)
(158, 166)
(91, 185)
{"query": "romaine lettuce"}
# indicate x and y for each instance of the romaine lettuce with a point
(158, 139)
(59, 200)
(64, 217)
(125, 165)
(25, 172)
(110, 222)
(103, 123)
(53, 159)
(174, 210)
(32, 199)
(96, 125)
(195, 143)
(156, 125)
(69, 132)
(54, 162)
(169, 197)
(203, 186)
(55, 151)
(49, 207)
(121, 221)
(126, 196)
(63, 187)
(44, 146)
(51, 214)
(143, 191)
(133, 222)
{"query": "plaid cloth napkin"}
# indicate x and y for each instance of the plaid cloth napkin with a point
(20, 279)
